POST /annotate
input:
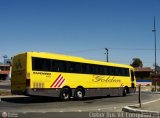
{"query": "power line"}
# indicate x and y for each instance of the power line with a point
(133, 49)
(82, 51)
(110, 48)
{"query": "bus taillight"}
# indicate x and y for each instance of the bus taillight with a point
(27, 82)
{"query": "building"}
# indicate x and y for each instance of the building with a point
(4, 71)
(7, 61)
(143, 75)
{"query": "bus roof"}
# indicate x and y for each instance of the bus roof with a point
(72, 58)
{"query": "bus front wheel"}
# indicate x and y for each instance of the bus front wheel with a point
(65, 94)
(124, 92)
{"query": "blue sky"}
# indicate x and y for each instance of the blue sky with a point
(81, 28)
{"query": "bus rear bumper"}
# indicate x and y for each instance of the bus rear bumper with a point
(43, 92)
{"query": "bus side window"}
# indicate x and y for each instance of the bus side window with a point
(85, 68)
(126, 72)
(111, 70)
(54, 66)
(106, 70)
(58, 66)
(78, 68)
(70, 67)
(62, 66)
(90, 69)
(117, 71)
(102, 70)
(38, 64)
(123, 71)
(46, 65)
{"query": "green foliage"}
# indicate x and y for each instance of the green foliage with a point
(137, 62)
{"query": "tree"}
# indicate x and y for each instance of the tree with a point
(137, 62)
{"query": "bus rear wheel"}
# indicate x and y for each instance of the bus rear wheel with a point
(65, 94)
(79, 94)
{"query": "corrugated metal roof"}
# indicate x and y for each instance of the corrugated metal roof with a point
(144, 69)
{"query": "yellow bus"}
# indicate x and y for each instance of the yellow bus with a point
(57, 75)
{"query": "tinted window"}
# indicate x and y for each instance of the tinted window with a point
(74, 67)
(85, 68)
(126, 72)
(42, 64)
(117, 71)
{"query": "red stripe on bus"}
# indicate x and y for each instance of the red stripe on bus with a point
(55, 81)
(60, 79)
(61, 83)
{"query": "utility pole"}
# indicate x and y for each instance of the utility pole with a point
(155, 45)
(139, 96)
(106, 54)
(155, 51)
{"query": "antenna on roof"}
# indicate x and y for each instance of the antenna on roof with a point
(5, 56)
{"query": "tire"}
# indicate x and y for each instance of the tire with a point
(79, 94)
(65, 94)
(124, 92)
(127, 90)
